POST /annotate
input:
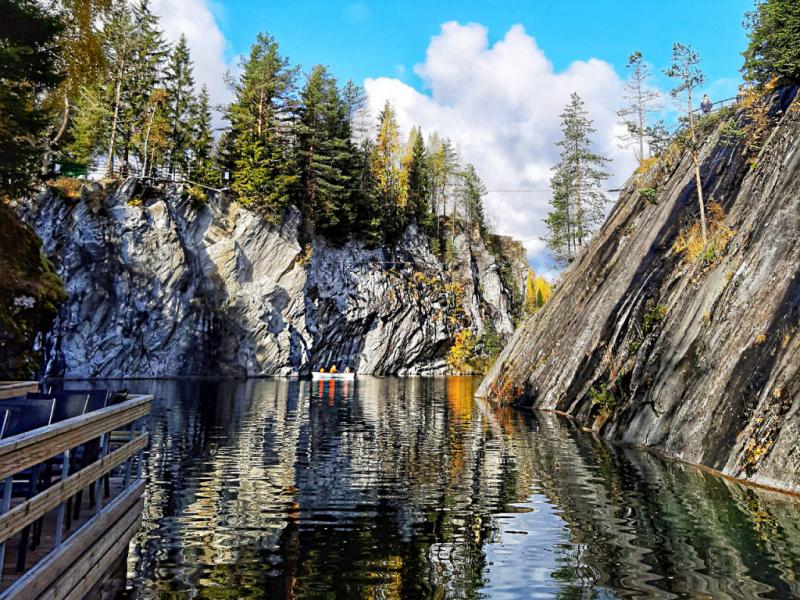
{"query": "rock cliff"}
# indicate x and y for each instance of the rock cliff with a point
(693, 351)
(160, 285)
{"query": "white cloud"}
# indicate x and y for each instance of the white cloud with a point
(501, 106)
(196, 20)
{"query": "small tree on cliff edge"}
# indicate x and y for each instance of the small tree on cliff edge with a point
(641, 101)
(774, 47)
(578, 200)
(688, 75)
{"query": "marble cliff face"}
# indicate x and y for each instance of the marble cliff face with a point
(161, 286)
(698, 357)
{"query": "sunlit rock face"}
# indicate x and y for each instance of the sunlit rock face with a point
(161, 286)
(697, 357)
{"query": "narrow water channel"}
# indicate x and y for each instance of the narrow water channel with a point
(392, 488)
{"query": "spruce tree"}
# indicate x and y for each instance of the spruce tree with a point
(258, 146)
(201, 142)
(28, 70)
(179, 84)
(324, 152)
(418, 183)
(472, 192)
(578, 199)
(774, 48)
(641, 101)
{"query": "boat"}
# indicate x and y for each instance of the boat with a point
(317, 376)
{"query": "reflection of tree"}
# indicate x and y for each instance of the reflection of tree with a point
(389, 488)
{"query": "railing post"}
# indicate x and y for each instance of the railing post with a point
(7, 485)
(98, 484)
(60, 509)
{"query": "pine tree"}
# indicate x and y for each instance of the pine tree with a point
(28, 71)
(258, 146)
(774, 48)
(179, 84)
(324, 152)
(685, 69)
(641, 102)
(578, 199)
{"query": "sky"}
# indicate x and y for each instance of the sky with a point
(493, 76)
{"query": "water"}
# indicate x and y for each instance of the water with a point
(392, 488)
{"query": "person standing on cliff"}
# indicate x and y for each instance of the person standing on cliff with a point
(706, 105)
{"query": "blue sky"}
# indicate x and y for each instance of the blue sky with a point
(372, 39)
(493, 76)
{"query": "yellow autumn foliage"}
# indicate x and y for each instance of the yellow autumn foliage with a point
(537, 292)
(461, 352)
(690, 240)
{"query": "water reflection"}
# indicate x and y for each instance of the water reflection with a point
(389, 488)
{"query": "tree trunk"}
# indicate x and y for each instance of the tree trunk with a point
(697, 178)
(113, 140)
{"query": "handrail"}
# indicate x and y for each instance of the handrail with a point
(22, 515)
(33, 447)
(38, 449)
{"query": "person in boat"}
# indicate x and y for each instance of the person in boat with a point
(706, 105)
(322, 370)
(347, 370)
(333, 369)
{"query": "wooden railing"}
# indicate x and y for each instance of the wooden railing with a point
(9, 389)
(77, 558)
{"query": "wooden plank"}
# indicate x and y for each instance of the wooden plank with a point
(9, 389)
(28, 449)
(16, 442)
(91, 566)
(41, 577)
(29, 511)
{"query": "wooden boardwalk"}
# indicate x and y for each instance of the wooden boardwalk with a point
(77, 555)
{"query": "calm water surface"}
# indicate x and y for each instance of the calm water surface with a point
(392, 488)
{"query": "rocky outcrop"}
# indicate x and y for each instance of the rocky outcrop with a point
(30, 293)
(160, 285)
(695, 353)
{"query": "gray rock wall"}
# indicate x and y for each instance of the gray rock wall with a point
(160, 286)
(702, 357)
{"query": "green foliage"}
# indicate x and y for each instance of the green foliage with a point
(258, 144)
(28, 70)
(180, 100)
(774, 48)
(603, 398)
(654, 314)
(325, 155)
(649, 194)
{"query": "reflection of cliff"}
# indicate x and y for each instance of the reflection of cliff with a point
(388, 488)
(663, 530)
